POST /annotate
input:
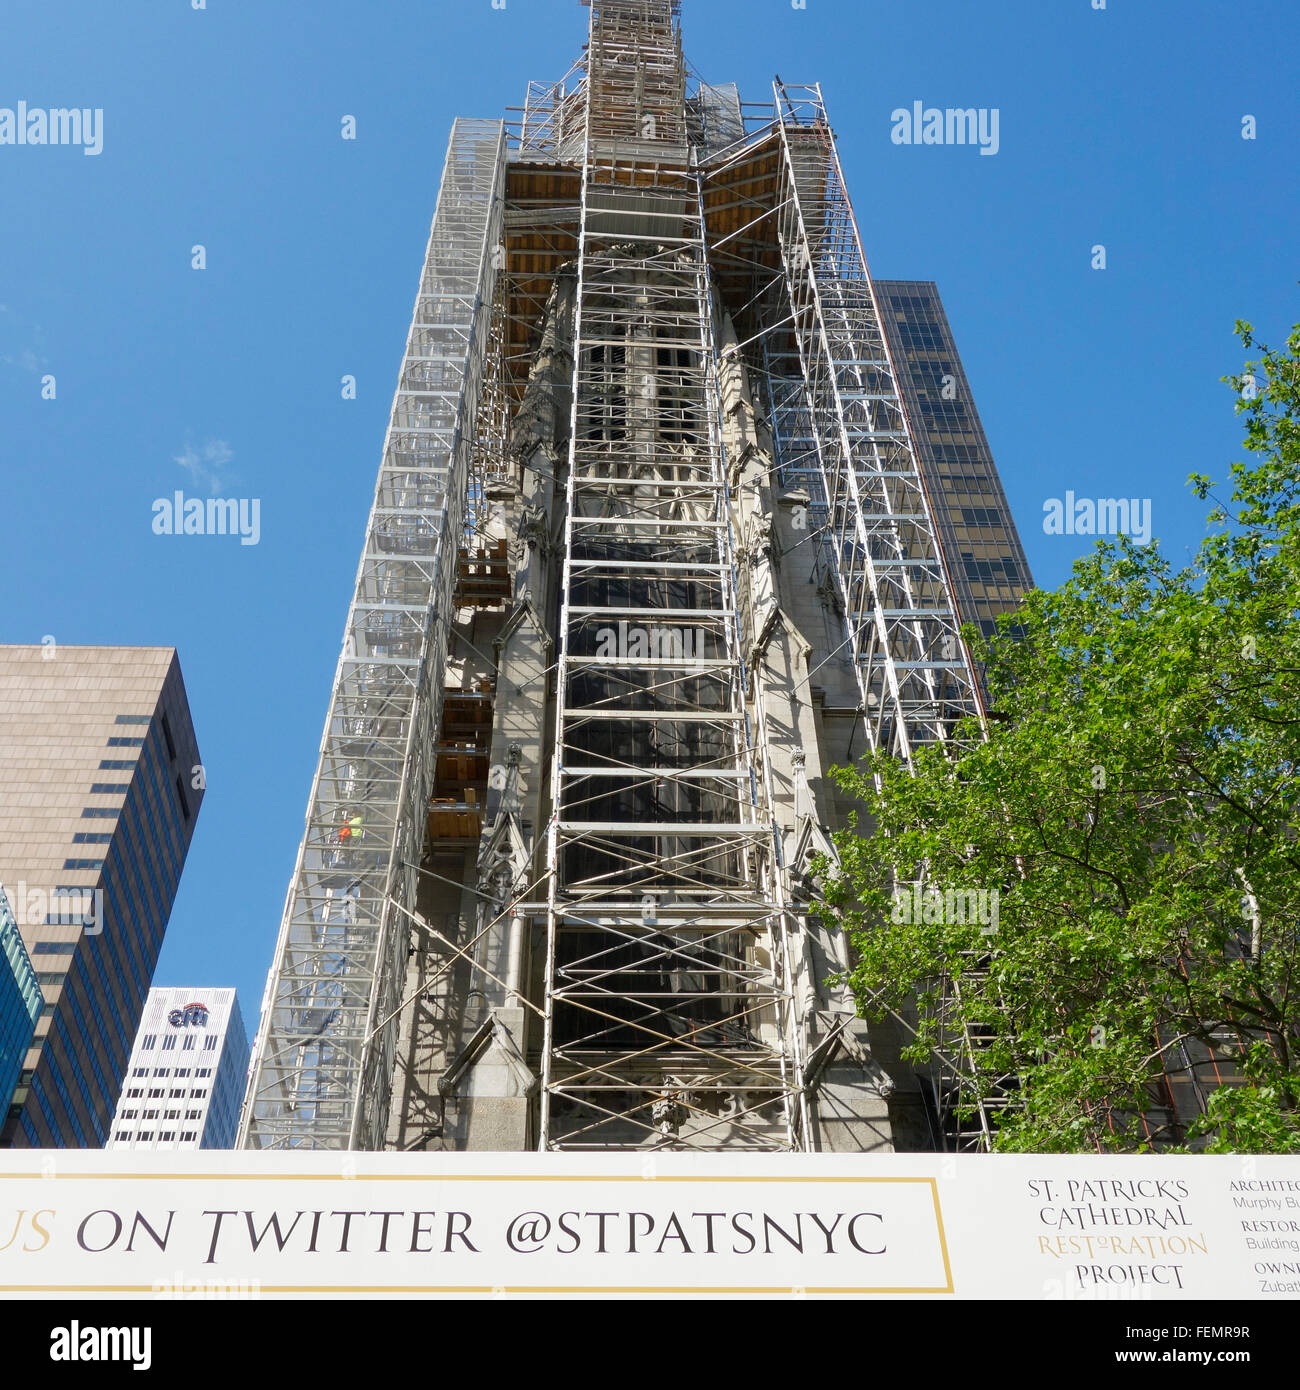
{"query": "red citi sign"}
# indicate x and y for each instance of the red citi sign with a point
(196, 1014)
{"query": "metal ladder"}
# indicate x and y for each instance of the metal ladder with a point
(669, 1010)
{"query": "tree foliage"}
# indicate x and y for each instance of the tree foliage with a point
(1134, 806)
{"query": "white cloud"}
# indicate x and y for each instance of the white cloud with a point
(206, 465)
(14, 353)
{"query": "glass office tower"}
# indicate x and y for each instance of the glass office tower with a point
(20, 1008)
(103, 785)
(186, 1077)
(987, 563)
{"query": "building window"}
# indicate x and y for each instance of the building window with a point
(194, 1114)
(210, 1042)
(150, 1115)
(166, 1136)
(134, 719)
(146, 1138)
(54, 948)
(156, 1093)
(150, 1040)
(50, 977)
(188, 1044)
(176, 1093)
(169, 1042)
(88, 865)
(203, 1071)
(116, 764)
(171, 1114)
(184, 800)
(182, 1071)
(131, 1095)
(140, 1071)
(126, 743)
(187, 1136)
(167, 735)
(109, 788)
(84, 837)
(101, 812)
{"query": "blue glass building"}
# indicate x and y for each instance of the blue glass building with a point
(103, 784)
(20, 1008)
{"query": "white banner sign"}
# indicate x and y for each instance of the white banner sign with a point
(553, 1225)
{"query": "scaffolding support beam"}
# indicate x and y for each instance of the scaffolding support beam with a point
(323, 1063)
(669, 1013)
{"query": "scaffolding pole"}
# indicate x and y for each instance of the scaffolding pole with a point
(841, 430)
(913, 669)
(323, 1063)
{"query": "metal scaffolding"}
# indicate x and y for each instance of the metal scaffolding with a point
(323, 1064)
(843, 446)
(669, 1010)
(853, 441)
(913, 669)
(588, 261)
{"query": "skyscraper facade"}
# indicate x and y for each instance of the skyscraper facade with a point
(185, 1080)
(20, 1008)
(103, 784)
(652, 548)
(990, 574)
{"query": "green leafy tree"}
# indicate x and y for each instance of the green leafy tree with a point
(1134, 807)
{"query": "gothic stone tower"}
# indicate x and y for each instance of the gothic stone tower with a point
(650, 551)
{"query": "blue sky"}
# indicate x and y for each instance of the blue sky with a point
(222, 128)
